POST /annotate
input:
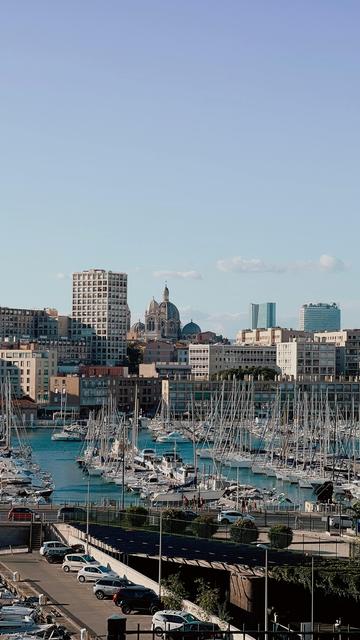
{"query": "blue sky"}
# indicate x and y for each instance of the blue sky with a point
(211, 144)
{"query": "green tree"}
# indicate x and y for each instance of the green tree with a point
(134, 358)
(207, 597)
(204, 526)
(356, 508)
(174, 592)
(136, 517)
(244, 531)
(174, 521)
(280, 536)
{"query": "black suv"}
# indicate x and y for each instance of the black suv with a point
(137, 598)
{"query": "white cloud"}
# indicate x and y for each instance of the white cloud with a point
(237, 264)
(185, 275)
(330, 263)
(61, 276)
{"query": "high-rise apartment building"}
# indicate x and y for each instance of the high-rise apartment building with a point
(263, 316)
(99, 312)
(320, 317)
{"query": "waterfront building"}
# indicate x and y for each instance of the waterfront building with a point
(320, 317)
(306, 360)
(100, 313)
(207, 360)
(30, 324)
(263, 316)
(268, 337)
(203, 395)
(162, 320)
(347, 344)
(35, 368)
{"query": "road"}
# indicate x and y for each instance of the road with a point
(63, 589)
(295, 520)
(134, 542)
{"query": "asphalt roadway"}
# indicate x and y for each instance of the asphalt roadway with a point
(133, 542)
(295, 520)
(76, 600)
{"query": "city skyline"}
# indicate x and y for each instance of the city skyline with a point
(213, 149)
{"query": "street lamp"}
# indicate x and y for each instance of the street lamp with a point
(312, 596)
(87, 514)
(160, 553)
(266, 596)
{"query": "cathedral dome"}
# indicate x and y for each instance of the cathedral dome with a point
(190, 329)
(169, 310)
(138, 327)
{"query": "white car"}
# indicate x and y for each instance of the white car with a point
(53, 544)
(76, 561)
(90, 573)
(231, 516)
(167, 619)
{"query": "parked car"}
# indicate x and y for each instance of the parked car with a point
(107, 587)
(167, 619)
(54, 556)
(231, 516)
(54, 544)
(89, 573)
(78, 548)
(23, 514)
(66, 514)
(195, 631)
(76, 561)
(345, 522)
(137, 598)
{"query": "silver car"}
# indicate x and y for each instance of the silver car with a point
(107, 587)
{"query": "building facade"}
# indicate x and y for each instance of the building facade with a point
(347, 350)
(306, 360)
(182, 396)
(269, 337)
(35, 369)
(100, 313)
(320, 317)
(30, 324)
(208, 360)
(263, 316)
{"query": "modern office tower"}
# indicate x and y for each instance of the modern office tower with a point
(320, 317)
(263, 316)
(99, 313)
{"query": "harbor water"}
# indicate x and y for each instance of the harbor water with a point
(71, 484)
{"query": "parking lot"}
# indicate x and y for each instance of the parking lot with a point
(76, 600)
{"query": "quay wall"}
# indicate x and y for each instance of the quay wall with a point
(14, 535)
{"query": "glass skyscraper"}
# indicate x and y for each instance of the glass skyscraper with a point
(320, 317)
(263, 316)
